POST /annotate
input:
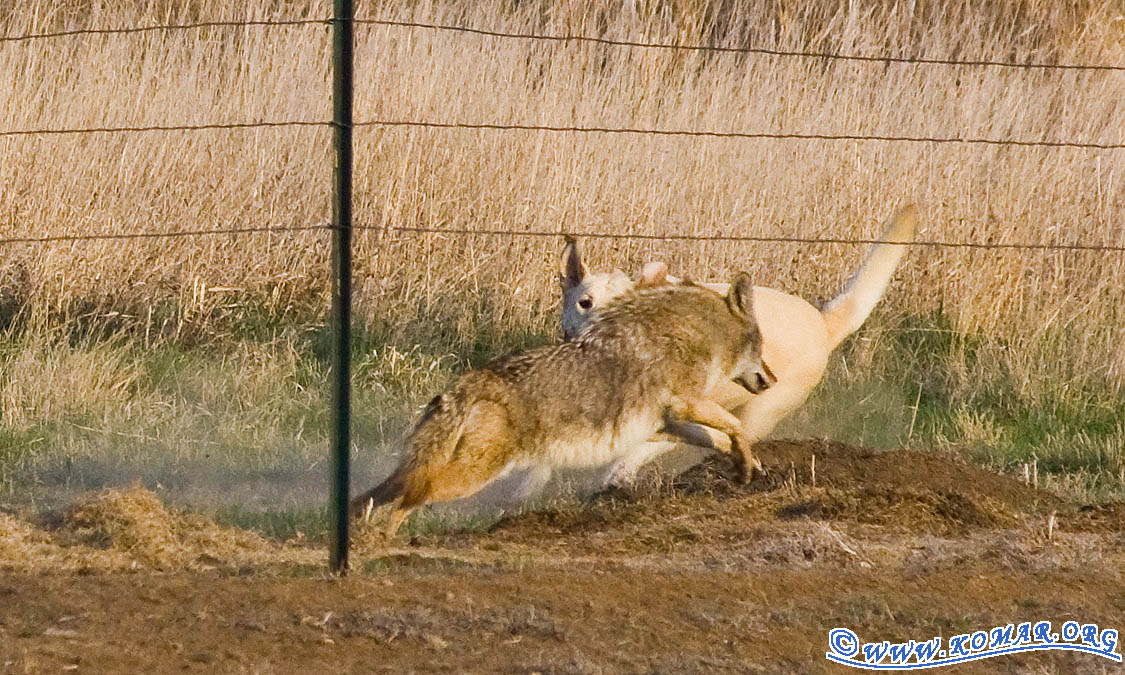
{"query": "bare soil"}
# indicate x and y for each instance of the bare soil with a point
(696, 575)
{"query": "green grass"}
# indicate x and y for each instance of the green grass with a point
(299, 522)
(239, 425)
(920, 384)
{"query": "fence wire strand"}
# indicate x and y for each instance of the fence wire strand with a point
(571, 38)
(489, 126)
(97, 236)
(746, 135)
(765, 51)
(671, 236)
(161, 127)
(779, 239)
(125, 30)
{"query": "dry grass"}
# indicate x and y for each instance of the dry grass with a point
(99, 382)
(131, 529)
(1043, 322)
(81, 184)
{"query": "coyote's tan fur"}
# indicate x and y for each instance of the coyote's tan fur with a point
(796, 337)
(653, 360)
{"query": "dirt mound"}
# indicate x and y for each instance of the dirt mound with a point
(838, 465)
(1099, 518)
(136, 523)
(923, 493)
(910, 509)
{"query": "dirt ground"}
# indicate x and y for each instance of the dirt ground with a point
(695, 576)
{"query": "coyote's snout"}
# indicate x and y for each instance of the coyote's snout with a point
(759, 381)
(652, 360)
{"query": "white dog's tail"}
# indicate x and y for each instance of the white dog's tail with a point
(845, 313)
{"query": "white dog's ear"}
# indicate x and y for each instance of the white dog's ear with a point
(654, 274)
(740, 298)
(571, 268)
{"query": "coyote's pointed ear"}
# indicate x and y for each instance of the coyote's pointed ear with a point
(571, 268)
(740, 297)
(654, 274)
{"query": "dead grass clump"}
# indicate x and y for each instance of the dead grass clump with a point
(24, 547)
(135, 522)
(367, 533)
(21, 545)
(439, 627)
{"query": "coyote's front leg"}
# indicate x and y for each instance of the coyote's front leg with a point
(711, 414)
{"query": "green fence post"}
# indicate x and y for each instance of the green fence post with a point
(342, 82)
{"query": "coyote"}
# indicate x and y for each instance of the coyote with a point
(648, 362)
(796, 337)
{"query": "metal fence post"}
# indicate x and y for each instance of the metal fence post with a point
(342, 82)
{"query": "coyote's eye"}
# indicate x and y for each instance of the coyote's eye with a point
(586, 303)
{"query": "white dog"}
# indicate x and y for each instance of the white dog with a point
(797, 338)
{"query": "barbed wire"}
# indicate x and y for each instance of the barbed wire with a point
(740, 134)
(65, 238)
(782, 239)
(741, 50)
(161, 27)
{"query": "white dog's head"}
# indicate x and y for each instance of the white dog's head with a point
(583, 292)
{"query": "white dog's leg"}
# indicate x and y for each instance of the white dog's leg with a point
(677, 435)
(623, 471)
(531, 482)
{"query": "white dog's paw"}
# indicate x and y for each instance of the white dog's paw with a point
(620, 475)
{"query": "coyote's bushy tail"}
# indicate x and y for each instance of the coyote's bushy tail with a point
(433, 439)
(383, 493)
(845, 313)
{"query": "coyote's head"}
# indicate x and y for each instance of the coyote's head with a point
(750, 372)
(583, 293)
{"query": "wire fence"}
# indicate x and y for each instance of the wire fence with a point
(764, 239)
(492, 126)
(761, 51)
(577, 38)
(171, 234)
(342, 24)
(486, 232)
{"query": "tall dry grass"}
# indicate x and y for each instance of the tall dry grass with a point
(1006, 342)
(561, 182)
(1050, 315)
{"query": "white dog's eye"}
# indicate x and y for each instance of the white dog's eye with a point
(586, 303)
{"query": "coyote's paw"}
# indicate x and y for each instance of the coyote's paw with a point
(752, 472)
(747, 466)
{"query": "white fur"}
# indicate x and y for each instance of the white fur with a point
(796, 337)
